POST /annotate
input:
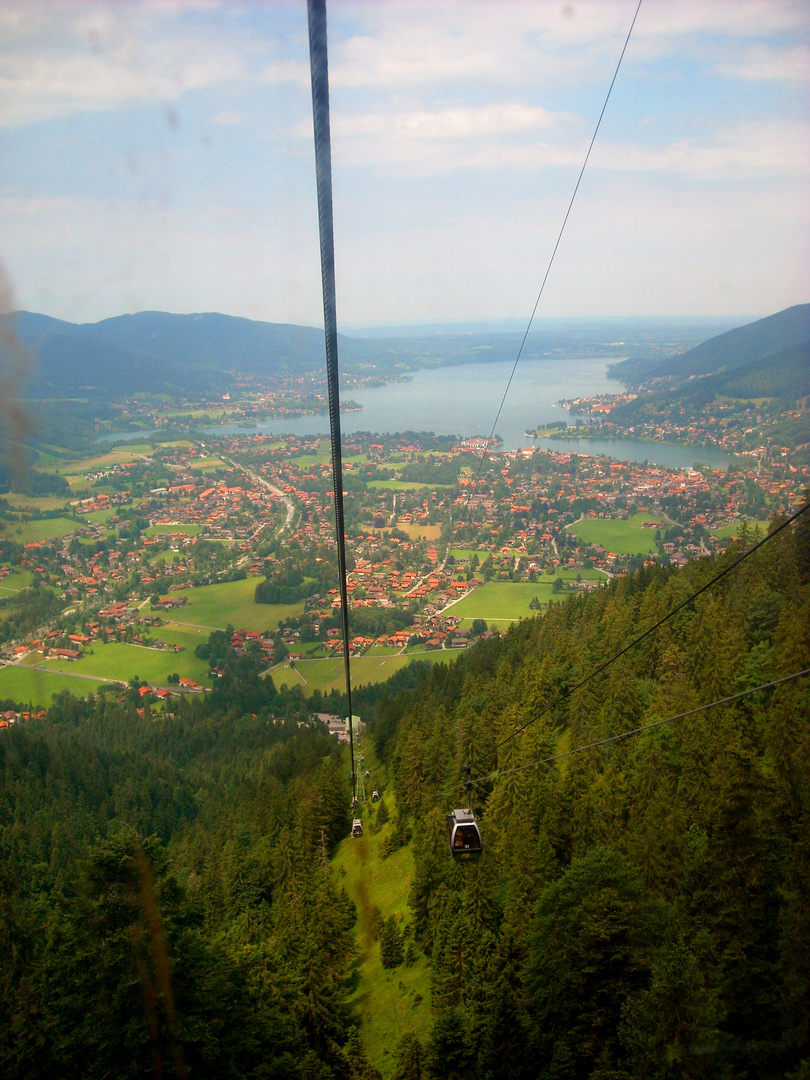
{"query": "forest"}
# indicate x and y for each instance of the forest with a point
(641, 909)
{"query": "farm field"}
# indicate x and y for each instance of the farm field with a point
(406, 485)
(103, 461)
(204, 464)
(191, 528)
(121, 662)
(32, 504)
(388, 1001)
(374, 667)
(30, 532)
(100, 517)
(25, 684)
(624, 537)
(187, 636)
(215, 606)
(430, 532)
(735, 529)
(502, 601)
(13, 582)
(465, 554)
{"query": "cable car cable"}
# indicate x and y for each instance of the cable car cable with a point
(648, 727)
(548, 269)
(319, 72)
(655, 626)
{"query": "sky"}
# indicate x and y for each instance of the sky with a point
(159, 156)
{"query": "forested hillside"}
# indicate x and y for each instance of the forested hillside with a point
(640, 910)
(164, 903)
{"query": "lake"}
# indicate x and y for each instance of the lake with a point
(464, 400)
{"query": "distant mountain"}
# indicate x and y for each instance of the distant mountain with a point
(196, 355)
(155, 351)
(736, 348)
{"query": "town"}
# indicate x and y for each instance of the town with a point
(161, 544)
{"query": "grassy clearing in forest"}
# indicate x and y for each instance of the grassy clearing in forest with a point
(389, 1002)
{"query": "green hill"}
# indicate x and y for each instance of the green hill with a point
(745, 345)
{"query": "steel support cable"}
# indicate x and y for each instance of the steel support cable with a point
(648, 727)
(319, 71)
(655, 626)
(548, 269)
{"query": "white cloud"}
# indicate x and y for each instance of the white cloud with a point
(61, 59)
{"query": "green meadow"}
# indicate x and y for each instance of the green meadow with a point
(230, 602)
(30, 532)
(190, 528)
(508, 601)
(26, 684)
(100, 517)
(625, 537)
(13, 582)
(121, 662)
(389, 1002)
(376, 666)
(502, 601)
(734, 529)
(28, 504)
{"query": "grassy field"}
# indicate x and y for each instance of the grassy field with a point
(501, 602)
(103, 461)
(326, 675)
(216, 606)
(430, 532)
(30, 532)
(466, 554)
(390, 1002)
(191, 528)
(406, 485)
(117, 661)
(25, 684)
(29, 504)
(99, 517)
(323, 456)
(735, 529)
(374, 667)
(13, 582)
(206, 463)
(623, 537)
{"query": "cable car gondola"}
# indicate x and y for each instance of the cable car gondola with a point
(375, 796)
(357, 827)
(463, 834)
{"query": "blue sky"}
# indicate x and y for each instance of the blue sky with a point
(159, 156)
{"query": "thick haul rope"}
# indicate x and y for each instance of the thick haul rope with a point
(319, 70)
